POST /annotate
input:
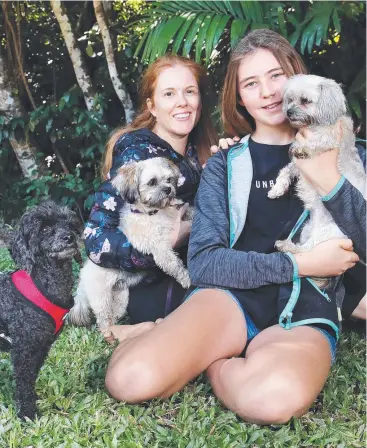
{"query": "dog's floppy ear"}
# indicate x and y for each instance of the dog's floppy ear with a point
(21, 250)
(126, 182)
(332, 103)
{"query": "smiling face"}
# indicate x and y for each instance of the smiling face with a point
(176, 103)
(260, 86)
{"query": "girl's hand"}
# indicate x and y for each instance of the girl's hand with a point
(328, 259)
(224, 143)
(181, 229)
(322, 170)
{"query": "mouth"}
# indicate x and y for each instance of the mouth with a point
(182, 116)
(273, 105)
(65, 253)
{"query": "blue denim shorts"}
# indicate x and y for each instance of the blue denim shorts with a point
(253, 330)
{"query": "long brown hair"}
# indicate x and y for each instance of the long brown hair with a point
(236, 120)
(202, 136)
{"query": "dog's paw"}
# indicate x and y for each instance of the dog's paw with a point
(285, 246)
(185, 281)
(275, 192)
(300, 153)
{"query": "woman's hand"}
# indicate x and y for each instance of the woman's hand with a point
(181, 229)
(328, 259)
(322, 170)
(224, 143)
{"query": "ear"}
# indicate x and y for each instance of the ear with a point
(76, 224)
(174, 168)
(21, 251)
(151, 107)
(332, 103)
(126, 182)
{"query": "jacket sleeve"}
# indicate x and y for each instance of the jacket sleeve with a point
(105, 244)
(348, 209)
(211, 262)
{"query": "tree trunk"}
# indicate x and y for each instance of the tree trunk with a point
(119, 87)
(81, 74)
(10, 108)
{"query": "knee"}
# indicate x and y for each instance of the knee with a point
(274, 402)
(133, 382)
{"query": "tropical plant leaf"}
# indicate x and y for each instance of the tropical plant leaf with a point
(214, 32)
(281, 22)
(238, 29)
(358, 85)
(168, 31)
(234, 8)
(142, 41)
(354, 104)
(182, 32)
(192, 34)
(336, 21)
(201, 36)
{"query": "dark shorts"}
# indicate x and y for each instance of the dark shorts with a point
(253, 330)
(148, 303)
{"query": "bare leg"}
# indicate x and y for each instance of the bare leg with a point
(361, 310)
(159, 362)
(281, 376)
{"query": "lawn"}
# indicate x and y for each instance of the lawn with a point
(77, 411)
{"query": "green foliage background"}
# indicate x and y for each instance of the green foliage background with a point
(330, 35)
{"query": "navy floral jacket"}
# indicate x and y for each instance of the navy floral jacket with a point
(105, 244)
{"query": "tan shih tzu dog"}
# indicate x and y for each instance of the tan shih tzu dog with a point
(147, 219)
(320, 105)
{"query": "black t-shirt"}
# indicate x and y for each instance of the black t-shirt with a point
(267, 219)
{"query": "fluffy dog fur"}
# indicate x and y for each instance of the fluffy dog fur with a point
(44, 246)
(146, 187)
(319, 104)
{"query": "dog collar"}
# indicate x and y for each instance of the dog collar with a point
(152, 212)
(25, 285)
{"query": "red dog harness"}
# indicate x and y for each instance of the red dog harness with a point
(25, 285)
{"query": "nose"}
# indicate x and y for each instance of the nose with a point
(167, 190)
(69, 238)
(290, 113)
(266, 89)
(181, 99)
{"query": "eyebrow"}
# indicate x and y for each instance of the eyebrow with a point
(267, 73)
(173, 88)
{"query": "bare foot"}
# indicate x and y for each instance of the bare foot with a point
(124, 332)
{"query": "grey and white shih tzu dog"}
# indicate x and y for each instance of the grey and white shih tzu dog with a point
(147, 218)
(319, 104)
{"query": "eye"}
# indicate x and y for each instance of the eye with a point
(305, 101)
(250, 84)
(169, 94)
(152, 182)
(170, 180)
(277, 75)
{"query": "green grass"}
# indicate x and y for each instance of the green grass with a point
(77, 411)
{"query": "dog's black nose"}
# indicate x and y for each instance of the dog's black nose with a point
(167, 190)
(290, 113)
(70, 238)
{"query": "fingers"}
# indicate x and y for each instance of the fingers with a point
(346, 244)
(224, 143)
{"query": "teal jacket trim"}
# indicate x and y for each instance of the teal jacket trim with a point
(334, 190)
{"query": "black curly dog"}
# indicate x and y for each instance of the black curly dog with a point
(43, 246)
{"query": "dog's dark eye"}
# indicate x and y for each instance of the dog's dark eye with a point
(170, 180)
(152, 182)
(305, 101)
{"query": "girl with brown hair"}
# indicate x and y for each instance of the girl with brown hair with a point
(172, 122)
(229, 324)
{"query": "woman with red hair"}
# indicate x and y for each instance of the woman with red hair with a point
(172, 122)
